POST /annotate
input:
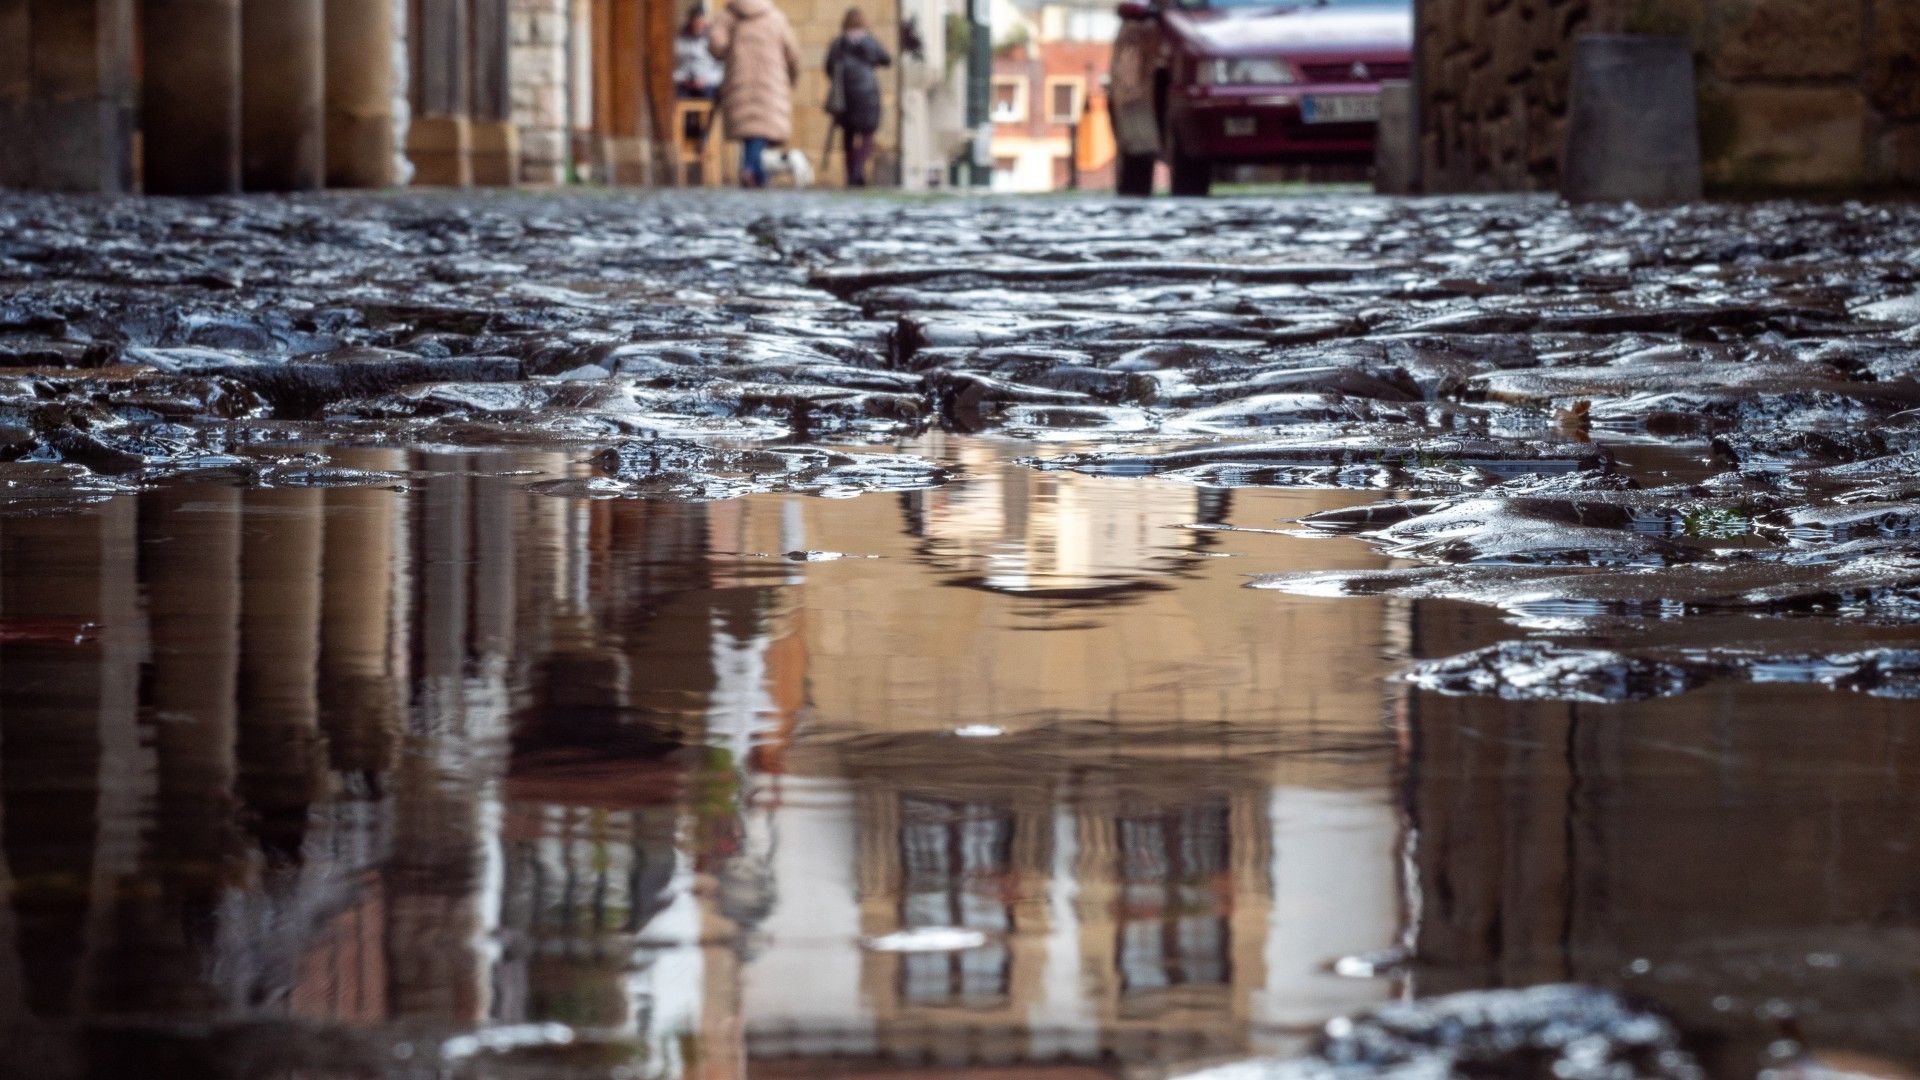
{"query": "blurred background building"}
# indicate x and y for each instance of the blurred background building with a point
(1050, 68)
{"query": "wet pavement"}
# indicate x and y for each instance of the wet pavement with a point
(590, 636)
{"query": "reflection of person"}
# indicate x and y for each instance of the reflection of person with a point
(696, 72)
(756, 43)
(851, 68)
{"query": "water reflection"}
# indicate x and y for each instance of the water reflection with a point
(343, 776)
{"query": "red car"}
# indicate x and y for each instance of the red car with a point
(1199, 83)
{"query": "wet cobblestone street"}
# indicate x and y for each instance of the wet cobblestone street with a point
(705, 635)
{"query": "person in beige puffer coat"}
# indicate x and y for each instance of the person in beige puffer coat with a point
(756, 42)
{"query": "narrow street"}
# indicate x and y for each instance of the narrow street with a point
(594, 635)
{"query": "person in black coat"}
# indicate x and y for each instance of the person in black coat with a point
(852, 65)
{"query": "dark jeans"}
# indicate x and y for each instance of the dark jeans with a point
(859, 146)
(753, 172)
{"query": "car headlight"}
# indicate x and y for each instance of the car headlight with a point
(1246, 71)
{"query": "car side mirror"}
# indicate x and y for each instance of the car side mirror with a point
(1133, 10)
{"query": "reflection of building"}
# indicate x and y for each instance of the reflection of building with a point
(1173, 918)
(463, 756)
(1165, 928)
(1031, 560)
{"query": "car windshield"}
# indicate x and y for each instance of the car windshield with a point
(1280, 5)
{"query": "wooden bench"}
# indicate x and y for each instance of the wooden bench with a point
(701, 155)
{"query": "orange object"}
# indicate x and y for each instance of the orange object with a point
(1094, 149)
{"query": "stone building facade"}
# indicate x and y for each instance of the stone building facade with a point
(539, 31)
(1793, 94)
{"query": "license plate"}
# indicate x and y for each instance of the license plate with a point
(1341, 109)
(1238, 127)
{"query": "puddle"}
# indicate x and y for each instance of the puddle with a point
(695, 636)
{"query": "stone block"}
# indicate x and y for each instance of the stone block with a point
(1786, 39)
(1791, 137)
(543, 144)
(441, 148)
(1632, 130)
(1900, 152)
(550, 29)
(1396, 147)
(496, 153)
(1893, 68)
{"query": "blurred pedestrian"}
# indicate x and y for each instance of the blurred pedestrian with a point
(762, 57)
(697, 73)
(853, 97)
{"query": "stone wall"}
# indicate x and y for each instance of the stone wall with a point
(1794, 94)
(538, 30)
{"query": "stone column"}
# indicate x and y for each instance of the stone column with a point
(282, 95)
(629, 149)
(440, 141)
(662, 24)
(496, 141)
(66, 94)
(359, 93)
(539, 88)
(190, 104)
(16, 93)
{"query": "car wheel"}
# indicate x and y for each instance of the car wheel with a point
(1192, 176)
(1134, 176)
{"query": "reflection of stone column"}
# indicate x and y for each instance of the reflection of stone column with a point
(126, 771)
(359, 93)
(283, 95)
(50, 771)
(73, 780)
(280, 657)
(190, 101)
(440, 140)
(446, 826)
(190, 562)
(496, 142)
(362, 693)
(13, 985)
(66, 94)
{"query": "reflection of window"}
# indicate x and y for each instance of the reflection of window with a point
(1009, 99)
(1066, 97)
(1175, 898)
(954, 858)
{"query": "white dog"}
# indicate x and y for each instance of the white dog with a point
(791, 164)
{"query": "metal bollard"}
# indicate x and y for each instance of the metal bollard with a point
(1633, 133)
(1395, 141)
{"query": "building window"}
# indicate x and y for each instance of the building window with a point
(956, 858)
(1009, 99)
(1066, 99)
(1175, 899)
